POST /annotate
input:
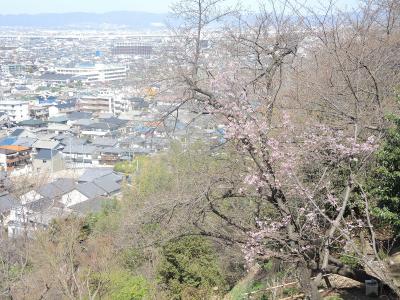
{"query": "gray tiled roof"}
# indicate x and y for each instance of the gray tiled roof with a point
(77, 115)
(90, 190)
(89, 206)
(105, 142)
(43, 144)
(65, 184)
(113, 177)
(50, 191)
(93, 173)
(108, 185)
(7, 202)
(40, 205)
(80, 149)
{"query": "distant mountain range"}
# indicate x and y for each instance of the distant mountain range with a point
(131, 19)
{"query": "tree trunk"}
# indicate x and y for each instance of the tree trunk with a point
(360, 275)
(308, 287)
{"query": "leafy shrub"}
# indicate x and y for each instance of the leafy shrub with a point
(189, 267)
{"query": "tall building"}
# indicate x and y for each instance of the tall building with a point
(132, 49)
(95, 72)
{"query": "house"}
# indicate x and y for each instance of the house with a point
(99, 129)
(53, 191)
(14, 157)
(110, 155)
(5, 120)
(22, 132)
(48, 160)
(46, 145)
(39, 112)
(25, 142)
(82, 192)
(89, 206)
(85, 154)
(38, 207)
(5, 183)
(104, 142)
(58, 119)
(58, 128)
(50, 191)
(23, 219)
(132, 142)
(67, 106)
(111, 187)
(7, 203)
(29, 218)
(94, 173)
(78, 115)
(65, 184)
(32, 123)
(58, 199)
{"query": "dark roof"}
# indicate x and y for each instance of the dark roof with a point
(7, 151)
(77, 115)
(17, 132)
(133, 140)
(105, 142)
(46, 154)
(141, 150)
(58, 119)
(67, 140)
(83, 122)
(115, 121)
(93, 173)
(117, 177)
(33, 123)
(108, 185)
(50, 191)
(89, 206)
(55, 77)
(40, 205)
(25, 141)
(80, 149)
(90, 190)
(102, 126)
(114, 150)
(65, 184)
(7, 202)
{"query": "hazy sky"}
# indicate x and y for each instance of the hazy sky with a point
(99, 6)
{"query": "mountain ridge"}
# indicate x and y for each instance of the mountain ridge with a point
(133, 19)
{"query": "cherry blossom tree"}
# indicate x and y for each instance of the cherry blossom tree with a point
(306, 170)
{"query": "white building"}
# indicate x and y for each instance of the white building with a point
(96, 72)
(15, 109)
(104, 102)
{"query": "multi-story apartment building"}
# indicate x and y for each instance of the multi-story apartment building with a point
(104, 102)
(14, 157)
(96, 104)
(95, 72)
(132, 49)
(16, 110)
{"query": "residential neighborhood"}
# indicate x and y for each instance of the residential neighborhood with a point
(78, 105)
